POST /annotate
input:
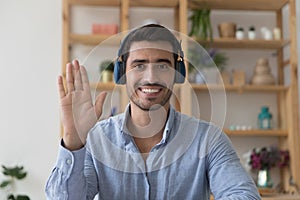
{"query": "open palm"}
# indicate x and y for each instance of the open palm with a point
(79, 114)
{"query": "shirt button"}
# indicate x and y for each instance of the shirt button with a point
(69, 161)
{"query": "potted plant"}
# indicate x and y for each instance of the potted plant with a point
(106, 70)
(251, 33)
(13, 174)
(205, 63)
(265, 158)
(201, 24)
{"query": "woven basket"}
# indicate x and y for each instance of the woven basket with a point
(227, 30)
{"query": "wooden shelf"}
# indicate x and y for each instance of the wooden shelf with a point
(240, 89)
(257, 132)
(154, 3)
(232, 43)
(281, 197)
(140, 3)
(104, 86)
(257, 5)
(95, 2)
(94, 39)
(277, 197)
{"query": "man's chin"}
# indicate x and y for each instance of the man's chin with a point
(150, 107)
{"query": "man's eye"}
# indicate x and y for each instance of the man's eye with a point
(140, 66)
(162, 66)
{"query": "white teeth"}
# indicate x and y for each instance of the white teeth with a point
(150, 90)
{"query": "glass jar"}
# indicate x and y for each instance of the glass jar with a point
(265, 118)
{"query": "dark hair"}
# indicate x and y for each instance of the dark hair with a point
(152, 33)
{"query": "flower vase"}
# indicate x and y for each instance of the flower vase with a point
(264, 179)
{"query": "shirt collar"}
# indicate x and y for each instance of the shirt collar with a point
(168, 126)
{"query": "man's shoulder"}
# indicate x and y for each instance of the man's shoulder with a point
(192, 119)
(197, 124)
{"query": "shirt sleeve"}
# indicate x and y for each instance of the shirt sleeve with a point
(228, 179)
(70, 178)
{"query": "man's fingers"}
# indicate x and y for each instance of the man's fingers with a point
(77, 76)
(61, 88)
(84, 78)
(99, 103)
(70, 78)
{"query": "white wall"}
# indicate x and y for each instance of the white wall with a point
(30, 55)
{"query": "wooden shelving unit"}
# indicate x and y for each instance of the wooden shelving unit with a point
(229, 43)
(287, 101)
(273, 133)
(104, 86)
(240, 89)
(288, 132)
(253, 5)
(93, 40)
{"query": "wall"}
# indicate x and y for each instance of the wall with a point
(30, 54)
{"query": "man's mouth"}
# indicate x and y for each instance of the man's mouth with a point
(149, 90)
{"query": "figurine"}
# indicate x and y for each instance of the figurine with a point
(262, 73)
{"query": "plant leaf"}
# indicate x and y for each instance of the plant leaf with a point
(22, 197)
(21, 175)
(5, 183)
(11, 197)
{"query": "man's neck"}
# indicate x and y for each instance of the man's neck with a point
(147, 127)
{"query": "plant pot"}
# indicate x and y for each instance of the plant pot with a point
(107, 76)
(227, 30)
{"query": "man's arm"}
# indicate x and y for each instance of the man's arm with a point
(74, 177)
(228, 179)
(78, 115)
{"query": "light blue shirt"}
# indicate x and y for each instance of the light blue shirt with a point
(193, 160)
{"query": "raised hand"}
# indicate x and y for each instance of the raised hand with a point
(79, 114)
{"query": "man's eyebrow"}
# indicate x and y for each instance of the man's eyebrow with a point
(140, 61)
(160, 60)
(164, 60)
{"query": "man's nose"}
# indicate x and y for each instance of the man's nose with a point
(151, 74)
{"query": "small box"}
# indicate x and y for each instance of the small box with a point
(239, 77)
(225, 78)
(106, 29)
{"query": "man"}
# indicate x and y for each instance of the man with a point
(150, 151)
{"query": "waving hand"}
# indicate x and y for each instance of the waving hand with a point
(79, 114)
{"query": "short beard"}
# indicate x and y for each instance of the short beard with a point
(154, 107)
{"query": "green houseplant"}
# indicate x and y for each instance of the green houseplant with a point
(13, 174)
(201, 30)
(201, 24)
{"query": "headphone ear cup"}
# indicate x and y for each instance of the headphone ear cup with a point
(181, 72)
(119, 73)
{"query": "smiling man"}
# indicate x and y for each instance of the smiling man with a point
(150, 151)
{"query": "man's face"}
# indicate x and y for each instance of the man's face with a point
(150, 74)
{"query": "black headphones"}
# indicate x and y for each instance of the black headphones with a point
(120, 65)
